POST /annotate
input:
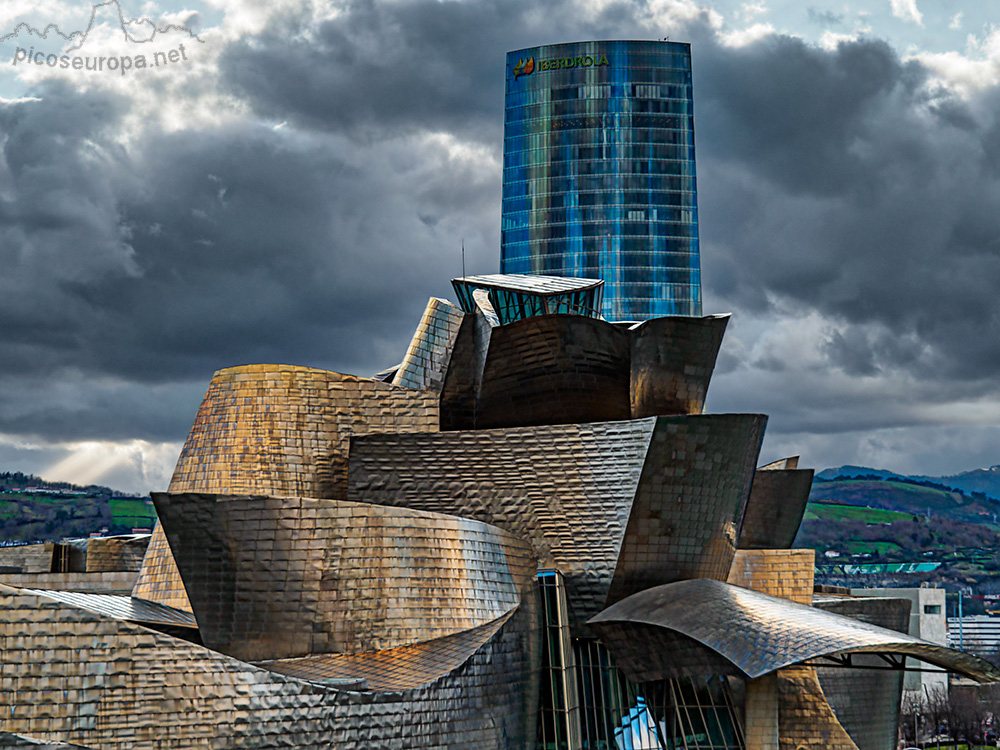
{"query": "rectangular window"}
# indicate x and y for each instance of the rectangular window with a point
(932, 609)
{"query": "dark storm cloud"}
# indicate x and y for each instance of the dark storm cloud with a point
(206, 248)
(420, 64)
(835, 183)
(841, 182)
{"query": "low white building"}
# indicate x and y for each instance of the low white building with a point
(977, 634)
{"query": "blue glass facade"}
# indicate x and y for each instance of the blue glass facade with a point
(599, 172)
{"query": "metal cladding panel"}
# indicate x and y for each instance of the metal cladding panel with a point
(672, 363)
(426, 361)
(805, 719)
(774, 512)
(119, 686)
(109, 554)
(460, 391)
(694, 485)
(279, 430)
(400, 668)
(555, 369)
(121, 607)
(28, 558)
(761, 633)
(570, 369)
(159, 580)
(283, 430)
(566, 489)
(866, 701)
(272, 578)
(788, 573)
(20, 742)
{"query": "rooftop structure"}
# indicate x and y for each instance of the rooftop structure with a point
(521, 296)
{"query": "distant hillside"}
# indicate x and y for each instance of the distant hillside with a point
(908, 495)
(864, 527)
(977, 480)
(986, 481)
(32, 509)
(854, 471)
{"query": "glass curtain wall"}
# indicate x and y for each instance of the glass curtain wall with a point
(599, 172)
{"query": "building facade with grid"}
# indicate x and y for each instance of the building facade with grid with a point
(599, 172)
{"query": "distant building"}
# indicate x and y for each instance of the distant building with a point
(977, 634)
(599, 172)
(928, 622)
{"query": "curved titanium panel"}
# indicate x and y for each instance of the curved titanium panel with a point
(120, 686)
(774, 512)
(159, 580)
(272, 578)
(555, 369)
(672, 363)
(693, 488)
(460, 392)
(641, 501)
(866, 701)
(565, 489)
(400, 668)
(759, 633)
(426, 361)
(280, 430)
(283, 430)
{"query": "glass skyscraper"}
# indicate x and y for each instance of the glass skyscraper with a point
(599, 172)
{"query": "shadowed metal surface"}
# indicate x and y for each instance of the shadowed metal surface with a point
(121, 607)
(866, 701)
(426, 360)
(555, 369)
(672, 360)
(119, 686)
(641, 501)
(774, 512)
(567, 489)
(758, 633)
(271, 578)
(805, 718)
(689, 501)
(460, 392)
(402, 668)
(571, 369)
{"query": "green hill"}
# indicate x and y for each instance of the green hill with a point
(879, 522)
(32, 509)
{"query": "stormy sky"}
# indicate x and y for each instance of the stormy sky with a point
(296, 184)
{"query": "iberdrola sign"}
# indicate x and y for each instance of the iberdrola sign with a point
(527, 67)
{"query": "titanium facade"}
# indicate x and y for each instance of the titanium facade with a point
(332, 569)
(599, 172)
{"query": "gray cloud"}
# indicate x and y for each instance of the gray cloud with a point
(835, 184)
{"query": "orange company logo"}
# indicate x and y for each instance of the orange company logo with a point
(524, 68)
